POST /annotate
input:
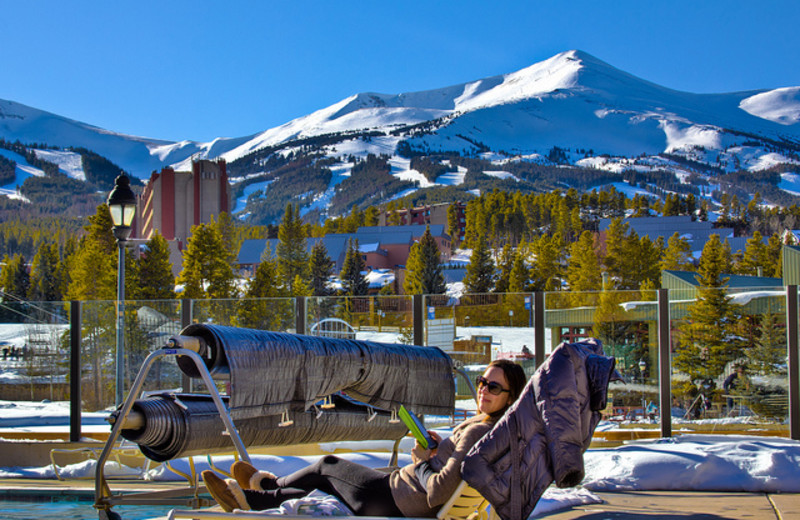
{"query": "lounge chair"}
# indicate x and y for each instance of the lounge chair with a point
(464, 504)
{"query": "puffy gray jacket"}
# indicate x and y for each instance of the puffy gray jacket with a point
(543, 435)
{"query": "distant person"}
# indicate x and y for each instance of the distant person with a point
(526, 352)
(737, 380)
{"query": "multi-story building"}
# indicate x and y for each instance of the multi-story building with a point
(435, 214)
(173, 201)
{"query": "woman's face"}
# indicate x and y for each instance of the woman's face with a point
(489, 403)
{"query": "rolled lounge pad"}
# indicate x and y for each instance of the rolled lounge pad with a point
(181, 425)
(271, 372)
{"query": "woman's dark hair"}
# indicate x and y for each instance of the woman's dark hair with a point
(514, 375)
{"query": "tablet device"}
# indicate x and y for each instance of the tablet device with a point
(417, 428)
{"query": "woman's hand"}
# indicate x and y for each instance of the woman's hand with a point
(420, 454)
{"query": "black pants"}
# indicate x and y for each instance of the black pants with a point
(364, 490)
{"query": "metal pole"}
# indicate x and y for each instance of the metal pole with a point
(186, 320)
(664, 363)
(74, 371)
(538, 327)
(300, 315)
(419, 322)
(794, 361)
(120, 372)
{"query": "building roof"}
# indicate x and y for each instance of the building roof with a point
(416, 230)
(696, 232)
(735, 281)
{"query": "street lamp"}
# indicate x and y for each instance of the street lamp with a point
(122, 206)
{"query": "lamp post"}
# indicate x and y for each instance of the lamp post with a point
(122, 206)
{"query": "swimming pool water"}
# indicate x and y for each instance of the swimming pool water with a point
(66, 509)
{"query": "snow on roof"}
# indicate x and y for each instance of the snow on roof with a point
(368, 248)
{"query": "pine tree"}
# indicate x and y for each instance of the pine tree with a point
(641, 264)
(353, 221)
(206, 272)
(354, 283)
(476, 223)
(678, 254)
(132, 283)
(371, 216)
(768, 353)
(480, 276)
(156, 281)
(505, 262)
(63, 276)
(754, 257)
(44, 274)
(300, 287)
(453, 225)
(774, 265)
(320, 267)
(518, 279)
(611, 325)
(231, 240)
(14, 278)
(424, 270)
(93, 272)
(93, 276)
(708, 340)
(291, 250)
(546, 271)
(259, 309)
(617, 253)
(583, 272)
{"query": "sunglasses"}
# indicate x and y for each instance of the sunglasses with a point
(491, 386)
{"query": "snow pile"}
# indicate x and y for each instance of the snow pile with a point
(697, 462)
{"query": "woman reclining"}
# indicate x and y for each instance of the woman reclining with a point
(416, 490)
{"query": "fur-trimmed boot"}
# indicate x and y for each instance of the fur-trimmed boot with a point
(248, 477)
(227, 493)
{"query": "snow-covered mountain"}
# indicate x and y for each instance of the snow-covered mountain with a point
(600, 116)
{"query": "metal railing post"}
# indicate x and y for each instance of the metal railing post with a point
(794, 361)
(186, 320)
(538, 327)
(300, 315)
(419, 323)
(75, 324)
(664, 363)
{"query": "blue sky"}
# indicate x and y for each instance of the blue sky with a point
(175, 69)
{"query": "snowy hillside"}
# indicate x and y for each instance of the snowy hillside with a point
(571, 100)
(592, 114)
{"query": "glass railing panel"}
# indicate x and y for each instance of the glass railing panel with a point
(34, 351)
(387, 319)
(729, 370)
(273, 314)
(98, 355)
(148, 327)
(626, 323)
(486, 326)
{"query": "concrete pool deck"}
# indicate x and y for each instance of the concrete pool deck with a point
(662, 505)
